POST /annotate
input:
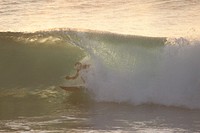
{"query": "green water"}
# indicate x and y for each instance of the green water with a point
(130, 86)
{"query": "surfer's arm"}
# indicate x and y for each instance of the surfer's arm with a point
(85, 66)
(72, 77)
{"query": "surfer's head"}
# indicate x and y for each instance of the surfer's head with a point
(78, 66)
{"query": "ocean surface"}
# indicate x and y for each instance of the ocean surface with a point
(144, 73)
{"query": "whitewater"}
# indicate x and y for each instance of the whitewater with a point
(144, 73)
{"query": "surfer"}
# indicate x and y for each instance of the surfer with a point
(78, 66)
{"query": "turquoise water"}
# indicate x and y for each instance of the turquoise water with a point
(144, 66)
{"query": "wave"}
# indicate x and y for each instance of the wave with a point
(124, 68)
(35, 59)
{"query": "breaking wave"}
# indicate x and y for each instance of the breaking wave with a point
(124, 68)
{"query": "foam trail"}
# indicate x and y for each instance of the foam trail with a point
(167, 74)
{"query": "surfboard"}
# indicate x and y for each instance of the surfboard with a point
(72, 88)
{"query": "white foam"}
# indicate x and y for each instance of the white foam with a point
(167, 75)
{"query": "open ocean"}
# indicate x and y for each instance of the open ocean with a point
(144, 74)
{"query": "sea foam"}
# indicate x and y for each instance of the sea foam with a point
(138, 73)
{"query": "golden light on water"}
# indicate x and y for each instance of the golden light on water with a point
(130, 17)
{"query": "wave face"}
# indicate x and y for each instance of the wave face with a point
(35, 59)
(132, 69)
